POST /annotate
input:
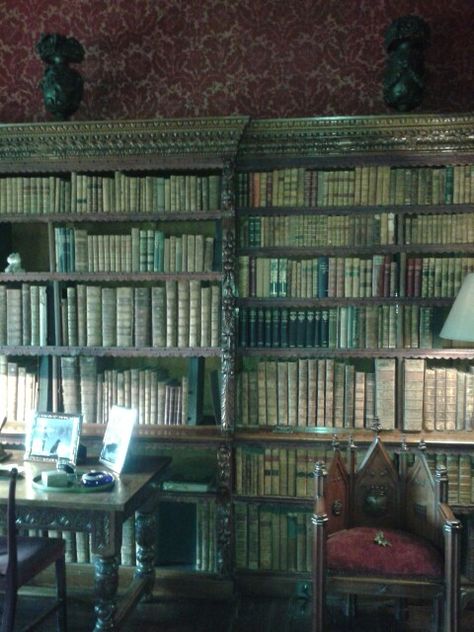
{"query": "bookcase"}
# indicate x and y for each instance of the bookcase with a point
(126, 231)
(274, 284)
(353, 237)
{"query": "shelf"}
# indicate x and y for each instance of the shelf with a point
(114, 352)
(377, 249)
(462, 439)
(176, 216)
(326, 352)
(181, 434)
(273, 500)
(316, 302)
(407, 209)
(123, 277)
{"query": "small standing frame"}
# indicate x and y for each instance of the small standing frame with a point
(53, 436)
(117, 437)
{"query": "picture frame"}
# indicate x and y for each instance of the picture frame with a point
(53, 436)
(117, 437)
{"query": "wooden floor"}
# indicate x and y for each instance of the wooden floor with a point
(245, 615)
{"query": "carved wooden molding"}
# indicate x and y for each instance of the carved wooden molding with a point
(113, 144)
(359, 135)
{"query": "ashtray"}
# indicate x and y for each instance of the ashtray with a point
(96, 478)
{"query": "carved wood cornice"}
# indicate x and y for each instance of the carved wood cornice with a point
(339, 137)
(160, 143)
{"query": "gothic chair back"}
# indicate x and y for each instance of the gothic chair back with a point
(385, 529)
(21, 559)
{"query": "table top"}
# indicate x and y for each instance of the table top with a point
(128, 488)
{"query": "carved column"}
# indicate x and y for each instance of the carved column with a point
(105, 589)
(145, 534)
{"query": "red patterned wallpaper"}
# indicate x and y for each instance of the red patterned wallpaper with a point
(264, 58)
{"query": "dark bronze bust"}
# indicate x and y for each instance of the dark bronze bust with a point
(62, 86)
(405, 40)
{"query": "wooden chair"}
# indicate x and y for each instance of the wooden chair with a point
(385, 531)
(21, 559)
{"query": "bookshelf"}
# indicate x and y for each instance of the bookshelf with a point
(353, 237)
(125, 230)
(323, 269)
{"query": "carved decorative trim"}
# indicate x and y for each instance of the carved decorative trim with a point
(228, 336)
(48, 145)
(358, 135)
(224, 537)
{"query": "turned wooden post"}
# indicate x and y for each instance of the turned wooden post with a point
(320, 520)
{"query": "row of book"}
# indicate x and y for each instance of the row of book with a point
(78, 544)
(157, 397)
(352, 277)
(266, 471)
(436, 277)
(318, 277)
(378, 229)
(364, 327)
(142, 250)
(272, 537)
(360, 186)
(437, 397)
(23, 315)
(173, 314)
(317, 392)
(111, 193)
(18, 389)
(439, 228)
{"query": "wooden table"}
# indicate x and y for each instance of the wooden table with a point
(102, 515)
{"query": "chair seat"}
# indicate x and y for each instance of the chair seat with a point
(33, 554)
(353, 551)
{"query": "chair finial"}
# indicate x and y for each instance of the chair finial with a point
(422, 444)
(335, 442)
(404, 445)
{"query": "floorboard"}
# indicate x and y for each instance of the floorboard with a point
(245, 615)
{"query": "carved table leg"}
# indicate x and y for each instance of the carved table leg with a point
(145, 533)
(106, 584)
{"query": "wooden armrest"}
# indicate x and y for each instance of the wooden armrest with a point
(446, 514)
(319, 513)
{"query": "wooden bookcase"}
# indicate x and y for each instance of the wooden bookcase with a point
(353, 237)
(261, 451)
(127, 228)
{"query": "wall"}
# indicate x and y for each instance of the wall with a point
(265, 58)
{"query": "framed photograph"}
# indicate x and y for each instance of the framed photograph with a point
(53, 436)
(117, 437)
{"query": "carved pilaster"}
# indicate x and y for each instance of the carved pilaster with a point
(224, 508)
(224, 467)
(228, 336)
(224, 539)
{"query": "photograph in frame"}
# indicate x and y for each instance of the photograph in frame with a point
(53, 436)
(117, 437)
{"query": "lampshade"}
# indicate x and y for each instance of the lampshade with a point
(459, 324)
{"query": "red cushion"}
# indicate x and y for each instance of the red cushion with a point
(354, 551)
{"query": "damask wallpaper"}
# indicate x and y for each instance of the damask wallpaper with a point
(263, 58)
